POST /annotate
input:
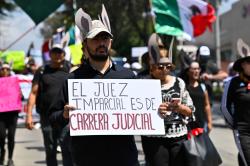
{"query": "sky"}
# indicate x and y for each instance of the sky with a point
(226, 5)
(14, 26)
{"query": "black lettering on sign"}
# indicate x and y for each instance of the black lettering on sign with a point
(77, 89)
(123, 88)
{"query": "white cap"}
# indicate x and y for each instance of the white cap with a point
(126, 65)
(90, 28)
(204, 51)
(136, 66)
(97, 27)
(5, 65)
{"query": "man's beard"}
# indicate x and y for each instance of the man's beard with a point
(99, 57)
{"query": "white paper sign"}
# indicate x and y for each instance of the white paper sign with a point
(115, 107)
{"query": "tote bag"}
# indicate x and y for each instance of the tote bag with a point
(200, 151)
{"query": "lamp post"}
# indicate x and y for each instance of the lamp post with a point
(217, 34)
(216, 4)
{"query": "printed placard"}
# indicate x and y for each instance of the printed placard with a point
(115, 107)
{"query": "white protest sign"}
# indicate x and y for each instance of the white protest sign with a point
(115, 107)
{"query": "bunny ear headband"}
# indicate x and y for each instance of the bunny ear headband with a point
(154, 51)
(244, 52)
(59, 40)
(5, 64)
(90, 28)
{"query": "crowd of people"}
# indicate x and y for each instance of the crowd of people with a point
(186, 100)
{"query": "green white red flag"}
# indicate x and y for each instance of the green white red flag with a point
(183, 17)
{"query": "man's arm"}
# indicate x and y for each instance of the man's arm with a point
(214, 73)
(31, 103)
(220, 76)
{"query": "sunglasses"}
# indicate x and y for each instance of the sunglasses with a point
(164, 66)
(197, 68)
(247, 60)
(8, 69)
(162, 47)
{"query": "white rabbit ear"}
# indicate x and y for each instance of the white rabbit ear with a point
(243, 48)
(11, 64)
(170, 53)
(83, 21)
(153, 49)
(65, 40)
(105, 18)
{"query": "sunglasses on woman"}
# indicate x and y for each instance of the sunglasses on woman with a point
(164, 66)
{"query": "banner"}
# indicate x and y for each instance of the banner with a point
(115, 107)
(76, 53)
(17, 57)
(10, 96)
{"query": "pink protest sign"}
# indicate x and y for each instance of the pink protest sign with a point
(10, 94)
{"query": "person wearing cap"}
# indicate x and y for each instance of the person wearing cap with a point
(30, 67)
(177, 107)
(209, 70)
(47, 82)
(8, 124)
(96, 150)
(236, 103)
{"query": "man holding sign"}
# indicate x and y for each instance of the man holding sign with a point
(96, 150)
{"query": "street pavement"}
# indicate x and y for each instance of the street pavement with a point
(29, 149)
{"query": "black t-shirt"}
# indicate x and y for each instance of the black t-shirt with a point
(198, 97)
(50, 81)
(238, 103)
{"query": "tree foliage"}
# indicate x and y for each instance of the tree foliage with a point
(58, 19)
(129, 27)
(6, 6)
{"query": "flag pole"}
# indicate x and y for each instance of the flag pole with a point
(19, 38)
(217, 35)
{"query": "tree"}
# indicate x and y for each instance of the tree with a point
(6, 6)
(58, 19)
(128, 25)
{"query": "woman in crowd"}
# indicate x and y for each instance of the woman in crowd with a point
(199, 95)
(166, 150)
(8, 124)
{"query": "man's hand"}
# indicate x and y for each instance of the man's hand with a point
(206, 76)
(67, 108)
(29, 122)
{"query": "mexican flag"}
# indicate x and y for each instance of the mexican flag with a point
(183, 17)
